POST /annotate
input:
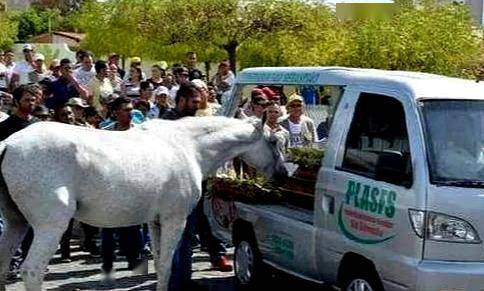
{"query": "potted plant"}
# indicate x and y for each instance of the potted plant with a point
(256, 190)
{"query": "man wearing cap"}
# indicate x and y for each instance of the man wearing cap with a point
(23, 68)
(162, 103)
(257, 105)
(39, 72)
(135, 62)
(78, 106)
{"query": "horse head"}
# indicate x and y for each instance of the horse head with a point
(264, 154)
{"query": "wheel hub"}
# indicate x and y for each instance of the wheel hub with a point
(359, 285)
(244, 262)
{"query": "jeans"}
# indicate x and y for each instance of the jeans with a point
(65, 243)
(130, 243)
(181, 269)
(89, 242)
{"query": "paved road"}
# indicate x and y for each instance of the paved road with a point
(83, 273)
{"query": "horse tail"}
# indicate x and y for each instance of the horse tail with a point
(8, 208)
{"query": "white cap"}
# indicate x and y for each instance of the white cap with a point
(39, 56)
(162, 90)
(28, 46)
(200, 84)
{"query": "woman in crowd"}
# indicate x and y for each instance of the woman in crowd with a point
(132, 86)
(302, 132)
(157, 75)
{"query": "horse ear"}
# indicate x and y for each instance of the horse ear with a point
(256, 122)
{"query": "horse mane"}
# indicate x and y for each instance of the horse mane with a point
(211, 126)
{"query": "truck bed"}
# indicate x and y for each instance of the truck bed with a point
(286, 210)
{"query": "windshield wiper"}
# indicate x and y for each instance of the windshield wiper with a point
(460, 182)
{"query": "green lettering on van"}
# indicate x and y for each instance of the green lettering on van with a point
(363, 204)
(374, 199)
(352, 191)
(390, 209)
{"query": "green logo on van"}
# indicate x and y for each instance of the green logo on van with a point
(366, 214)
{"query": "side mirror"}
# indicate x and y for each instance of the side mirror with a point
(391, 167)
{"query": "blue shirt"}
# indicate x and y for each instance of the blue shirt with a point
(62, 91)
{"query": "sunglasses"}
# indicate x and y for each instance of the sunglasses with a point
(296, 105)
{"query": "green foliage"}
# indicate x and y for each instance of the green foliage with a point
(34, 21)
(306, 157)
(429, 37)
(8, 32)
(253, 191)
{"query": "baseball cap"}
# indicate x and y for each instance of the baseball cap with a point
(161, 90)
(76, 101)
(200, 84)
(135, 60)
(294, 98)
(39, 56)
(28, 46)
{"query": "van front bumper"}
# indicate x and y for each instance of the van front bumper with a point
(450, 276)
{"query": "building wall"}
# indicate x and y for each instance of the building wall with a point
(476, 7)
(18, 4)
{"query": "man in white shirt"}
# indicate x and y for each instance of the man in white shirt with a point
(20, 74)
(86, 71)
(3, 73)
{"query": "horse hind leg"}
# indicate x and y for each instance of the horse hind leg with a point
(47, 235)
(44, 245)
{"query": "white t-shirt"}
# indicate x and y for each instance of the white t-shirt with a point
(84, 77)
(295, 138)
(3, 76)
(23, 69)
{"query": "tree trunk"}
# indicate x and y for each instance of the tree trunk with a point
(207, 71)
(231, 49)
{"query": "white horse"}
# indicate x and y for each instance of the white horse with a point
(53, 172)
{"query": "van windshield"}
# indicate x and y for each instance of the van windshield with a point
(454, 131)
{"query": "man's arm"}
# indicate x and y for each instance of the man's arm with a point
(83, 92)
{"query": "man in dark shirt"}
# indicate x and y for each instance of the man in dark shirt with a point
(65, 87)
(193, 72)
(188, 99)
(24, 103)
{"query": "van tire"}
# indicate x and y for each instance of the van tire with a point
(369, 279)
(248, 264)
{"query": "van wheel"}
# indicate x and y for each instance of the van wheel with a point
(362, 281)
(247, 264)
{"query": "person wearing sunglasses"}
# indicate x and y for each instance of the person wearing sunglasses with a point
(65, 87)
(302, 132)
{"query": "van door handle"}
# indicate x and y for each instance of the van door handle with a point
(328, 204)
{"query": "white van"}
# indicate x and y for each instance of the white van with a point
(399, 198)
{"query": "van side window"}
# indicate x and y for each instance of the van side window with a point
(377, 145)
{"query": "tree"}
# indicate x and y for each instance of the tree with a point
(220, 26)
(34, 21)
(8, 32)
(426, 37)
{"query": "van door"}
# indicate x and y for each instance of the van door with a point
(368, 191)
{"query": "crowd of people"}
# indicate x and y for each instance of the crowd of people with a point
(100, 94)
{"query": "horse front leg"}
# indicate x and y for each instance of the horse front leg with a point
(170, 235)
